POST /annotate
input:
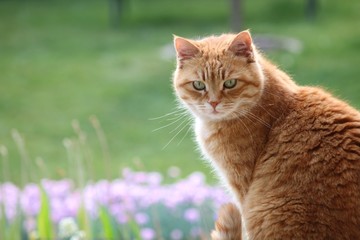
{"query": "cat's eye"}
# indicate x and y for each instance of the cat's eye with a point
(230, 83)
(199, 85)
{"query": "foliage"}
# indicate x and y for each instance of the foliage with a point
(61, 60)
(137, 206)
(44, 224)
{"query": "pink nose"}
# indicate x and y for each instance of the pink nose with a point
(214, 104)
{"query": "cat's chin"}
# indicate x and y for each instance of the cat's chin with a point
(216, 116)
(210, 115)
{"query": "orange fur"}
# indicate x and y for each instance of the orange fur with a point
(227, 225)
(290, 155)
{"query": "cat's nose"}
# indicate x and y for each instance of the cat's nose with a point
(214, 103)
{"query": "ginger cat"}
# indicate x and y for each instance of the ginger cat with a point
(290, 155)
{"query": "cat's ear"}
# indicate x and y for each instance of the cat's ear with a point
(241, 45)
(184, 48)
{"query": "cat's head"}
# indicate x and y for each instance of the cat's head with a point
(218, 77)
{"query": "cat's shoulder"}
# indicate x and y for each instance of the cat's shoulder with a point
(321, 101)
(315, 108)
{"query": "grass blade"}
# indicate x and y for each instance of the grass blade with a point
(84, 221)
(44, 224)
(106, 222)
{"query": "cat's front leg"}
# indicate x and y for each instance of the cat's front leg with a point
(228, 224)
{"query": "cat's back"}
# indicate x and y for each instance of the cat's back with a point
(320, 121)
(308, 178)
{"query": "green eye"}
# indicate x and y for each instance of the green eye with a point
(230, 83)
(198, 85)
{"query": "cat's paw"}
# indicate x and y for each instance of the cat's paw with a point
(228, 224)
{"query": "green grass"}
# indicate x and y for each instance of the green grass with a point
(60, 60)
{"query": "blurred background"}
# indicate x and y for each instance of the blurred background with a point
(66, 66)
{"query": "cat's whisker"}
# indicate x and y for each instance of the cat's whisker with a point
(265, 110)
(184, 120)
(271, 115)
(181, 118)
(172, 123)
(186, 133)
(242, 122)
(258, 119)
(177, 116)
(247, 114)
(228, 106)
(175, 136)
(201, 106)
(177, 111)
(276, 95)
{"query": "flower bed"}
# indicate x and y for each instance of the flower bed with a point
(137, 206)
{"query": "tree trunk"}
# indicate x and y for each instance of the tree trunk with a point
(236, 11)
(311, 9)
(115, 9)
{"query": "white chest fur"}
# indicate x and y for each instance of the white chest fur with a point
(231, 152)
(211, 149)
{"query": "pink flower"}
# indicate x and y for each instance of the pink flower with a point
(192, 215)
(30, 200)
(147, 233)
(176, 234)
(10, 197)
(141, 218)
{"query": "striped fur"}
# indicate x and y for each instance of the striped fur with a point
(290, 155)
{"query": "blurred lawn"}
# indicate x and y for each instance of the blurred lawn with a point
(60, 60)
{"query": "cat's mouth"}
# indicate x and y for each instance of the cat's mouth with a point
(216, 114)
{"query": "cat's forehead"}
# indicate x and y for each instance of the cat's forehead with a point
(215, 45)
